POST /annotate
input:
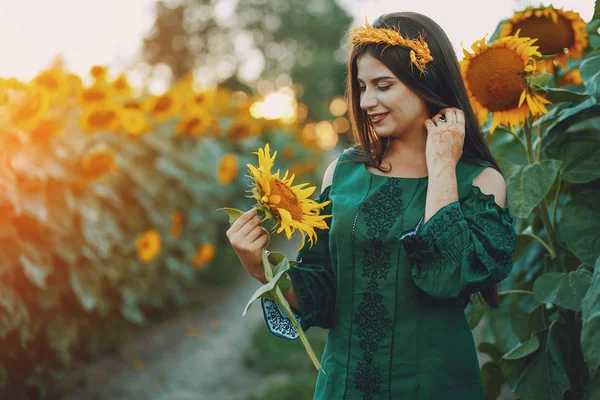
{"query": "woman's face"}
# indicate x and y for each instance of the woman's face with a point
(392, 108)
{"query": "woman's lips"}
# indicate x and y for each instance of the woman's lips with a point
(377, 118)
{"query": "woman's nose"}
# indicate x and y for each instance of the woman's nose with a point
(367, 100)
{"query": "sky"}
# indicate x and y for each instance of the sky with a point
(109, 32)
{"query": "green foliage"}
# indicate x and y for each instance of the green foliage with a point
(545, 334)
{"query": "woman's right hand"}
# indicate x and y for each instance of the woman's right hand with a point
(248, 238)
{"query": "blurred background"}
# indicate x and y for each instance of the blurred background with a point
(116, 279)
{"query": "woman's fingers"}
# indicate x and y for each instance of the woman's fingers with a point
(249, 226)
(241, 221)
(255, 234)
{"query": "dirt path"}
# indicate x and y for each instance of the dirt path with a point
(197, 355)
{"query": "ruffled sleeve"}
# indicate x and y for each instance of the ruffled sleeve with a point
(315, 285)
(463, 248)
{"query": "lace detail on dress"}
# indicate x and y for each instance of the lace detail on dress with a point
(441, 233)
(278, 322)
(372, 317)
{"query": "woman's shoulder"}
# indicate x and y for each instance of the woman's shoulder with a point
(484, 176)
(347, 156)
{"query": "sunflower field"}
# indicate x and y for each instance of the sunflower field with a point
(535, 86)
(108, 202)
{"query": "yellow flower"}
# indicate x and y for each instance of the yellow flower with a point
(99, 73)
(227, 169)
(163, 107)
(134, 121)
(203, 100)
(94, 95)
(496, 78)
(99, 118)
(205, 253)
(573, 77)
(47, 129)
(558, 32)
(194, 124)
(97, 165)
(54, 81)
(176, 224)
(148, 245)
(74, 84)
(289, 205)
(29, 106)
(243, 127)
(121, 87)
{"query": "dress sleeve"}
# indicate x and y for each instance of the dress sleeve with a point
(465, 247)
(315, 284)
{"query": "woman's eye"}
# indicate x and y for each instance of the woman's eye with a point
(384, 87)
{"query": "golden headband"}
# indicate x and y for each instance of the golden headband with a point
(367, 34)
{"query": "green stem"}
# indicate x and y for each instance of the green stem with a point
(281, 300)
(543, 206)
(545, 214)
(507, 292)
(267, 265)
(520, 141)
(554, 211)
(528, 138)
(286, 307)
(546, 245)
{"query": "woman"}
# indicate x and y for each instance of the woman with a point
(419, 225)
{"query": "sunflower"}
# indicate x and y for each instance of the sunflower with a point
(121, 87)
(148, 245)
(290, 206)
(497, 80)
(195, 123)
(29, 106)
(163, 107)
(205, 253)
(573, 77)
(559, 32)
(96, 94)
(100, 118)
(54, 81)
(97, 165)
(133, 121)
(46, 129)
(227, 170)
(99, 73)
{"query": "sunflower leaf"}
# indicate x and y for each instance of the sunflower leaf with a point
(580, 224)
(556, 95)
(590, 330)
(562, 289)
(233, 213)
(284, 284)
(528, 185)
(265, 291)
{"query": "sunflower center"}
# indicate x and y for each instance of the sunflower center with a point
(101, 117)
(289, 201)
(552, 38)
(163, 104)
(496, 78)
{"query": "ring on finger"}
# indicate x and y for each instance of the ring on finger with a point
(442, 118)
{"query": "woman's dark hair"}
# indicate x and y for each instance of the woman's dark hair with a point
(441, 86)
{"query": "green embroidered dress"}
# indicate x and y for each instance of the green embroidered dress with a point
(392, 290)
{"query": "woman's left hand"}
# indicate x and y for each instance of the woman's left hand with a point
(445, 138)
